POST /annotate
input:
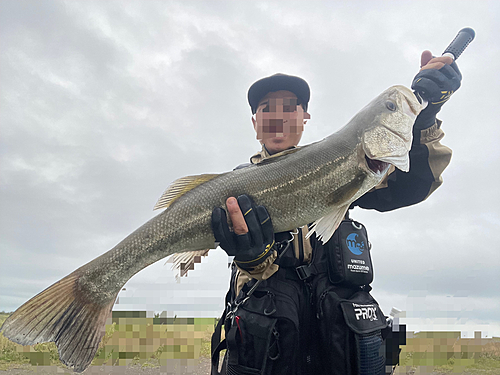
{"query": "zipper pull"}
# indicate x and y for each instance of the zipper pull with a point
(319, 314)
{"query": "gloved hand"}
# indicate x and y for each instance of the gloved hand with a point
(253, 247)
(437, 80)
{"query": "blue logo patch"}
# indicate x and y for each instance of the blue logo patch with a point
(354, 245)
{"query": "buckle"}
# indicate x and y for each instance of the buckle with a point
(304, 272)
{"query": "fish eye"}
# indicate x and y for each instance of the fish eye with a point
(390, 105)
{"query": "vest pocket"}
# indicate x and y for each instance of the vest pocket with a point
(261, 338)
(350, 332)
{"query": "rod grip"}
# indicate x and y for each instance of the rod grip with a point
(460, 43)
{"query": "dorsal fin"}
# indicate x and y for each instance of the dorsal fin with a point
(277, 156)
(180, 187)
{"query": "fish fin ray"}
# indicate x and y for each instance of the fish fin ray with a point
(72, 322)
(183, 262)
(325, 226)
(181, 186)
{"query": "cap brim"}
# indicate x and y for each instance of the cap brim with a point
(278, 82)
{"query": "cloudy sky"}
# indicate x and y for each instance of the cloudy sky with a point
(104, 103)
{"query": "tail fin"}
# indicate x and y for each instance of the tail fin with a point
(61, 314)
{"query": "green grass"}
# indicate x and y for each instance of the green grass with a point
(130, 339)
(448, 353)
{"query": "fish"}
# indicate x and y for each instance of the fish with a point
(315, 184)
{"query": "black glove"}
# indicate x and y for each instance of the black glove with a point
(249, 249)
(435, 86)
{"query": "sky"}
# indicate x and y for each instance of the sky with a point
(104, 103)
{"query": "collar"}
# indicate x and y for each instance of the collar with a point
(264, 154)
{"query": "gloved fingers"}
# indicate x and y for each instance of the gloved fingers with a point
(436, 85)
(266, 224)
(244, 243)
(221, 231)
(249, 212)
(429, 88)
(438, 63)
(439, 76)
(446, 76)
(455, 68)
(451, 80)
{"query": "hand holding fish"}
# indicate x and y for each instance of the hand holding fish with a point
(253, 236)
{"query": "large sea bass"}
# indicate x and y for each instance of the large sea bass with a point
(315, 183)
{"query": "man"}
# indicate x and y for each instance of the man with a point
(288, 312)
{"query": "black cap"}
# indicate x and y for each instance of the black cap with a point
(278, 82)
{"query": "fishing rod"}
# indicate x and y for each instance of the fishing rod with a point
(454, 50)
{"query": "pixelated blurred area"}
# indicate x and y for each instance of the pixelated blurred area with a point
(448, 353)
(135, 344)
(278, 117)
(132, 344)
(184, 262)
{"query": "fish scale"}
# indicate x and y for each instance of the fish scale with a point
(315, 183)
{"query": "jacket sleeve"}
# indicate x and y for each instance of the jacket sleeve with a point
(428, 159)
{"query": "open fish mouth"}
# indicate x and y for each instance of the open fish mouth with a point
(383, 146)
(377, 166)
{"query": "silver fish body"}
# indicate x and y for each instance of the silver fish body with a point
(315, 183)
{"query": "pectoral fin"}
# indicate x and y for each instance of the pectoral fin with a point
(326, 226)
(180, 187)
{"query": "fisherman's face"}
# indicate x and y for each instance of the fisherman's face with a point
(279, 121)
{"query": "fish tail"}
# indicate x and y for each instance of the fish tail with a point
(61, 314)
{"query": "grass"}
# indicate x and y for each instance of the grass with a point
(448, 353)
(131, 339)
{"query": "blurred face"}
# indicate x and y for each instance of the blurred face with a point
(279, 121)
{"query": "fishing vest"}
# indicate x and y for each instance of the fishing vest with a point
(327, 298)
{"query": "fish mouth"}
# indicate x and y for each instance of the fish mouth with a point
(377, 166)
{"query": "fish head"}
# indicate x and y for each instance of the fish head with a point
(387, 137)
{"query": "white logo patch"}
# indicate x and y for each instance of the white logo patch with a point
(365, 312)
